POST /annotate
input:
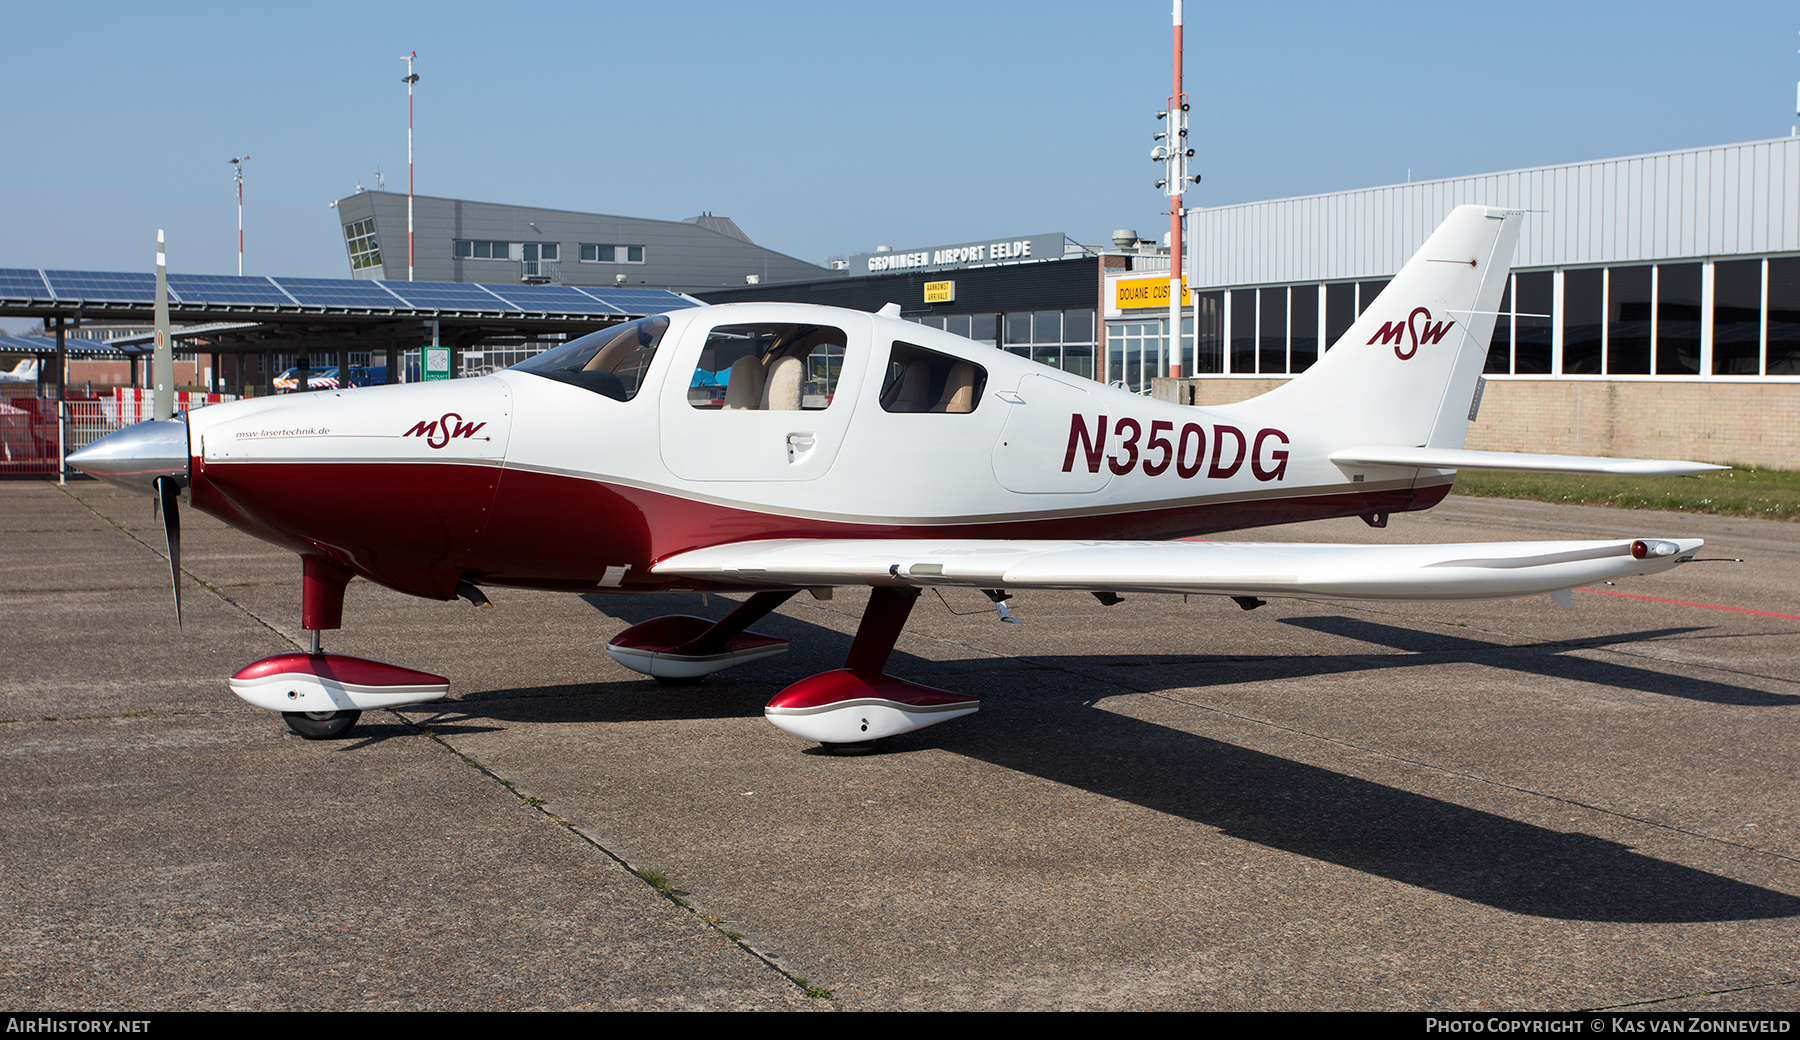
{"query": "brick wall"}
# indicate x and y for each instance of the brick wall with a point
(1756, 424)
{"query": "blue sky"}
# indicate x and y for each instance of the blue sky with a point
(823, 129)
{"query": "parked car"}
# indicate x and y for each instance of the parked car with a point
(316, 379)
(327, 378)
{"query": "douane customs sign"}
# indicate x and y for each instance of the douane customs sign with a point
(1135, 293)
(940, 292)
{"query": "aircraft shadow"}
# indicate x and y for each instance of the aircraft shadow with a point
(1468, 853)
(1549, 660)
(1044, 723)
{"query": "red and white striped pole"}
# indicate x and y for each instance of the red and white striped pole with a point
(1177, 175)
(411, 78)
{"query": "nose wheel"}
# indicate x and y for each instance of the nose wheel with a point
(320, 725)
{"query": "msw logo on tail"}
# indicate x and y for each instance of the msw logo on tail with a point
(1428, 333)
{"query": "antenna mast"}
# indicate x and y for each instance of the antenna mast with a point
(237, 174)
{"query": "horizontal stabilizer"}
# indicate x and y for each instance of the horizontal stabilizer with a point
(1460, 458)
(1467, 571)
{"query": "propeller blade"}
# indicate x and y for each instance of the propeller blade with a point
(168, 497)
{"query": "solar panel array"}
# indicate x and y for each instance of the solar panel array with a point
(562, 298)
(75, 345)
(276, 293)
(448, 296)
(120, 286)
(227, 290)
(339, 292)
(21, 283)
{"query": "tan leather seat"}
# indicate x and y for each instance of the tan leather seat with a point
(781, 393)
(744, 389)
(913, 392)
(959, 390)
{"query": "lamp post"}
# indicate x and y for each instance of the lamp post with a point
(237, 174)
(410, 78)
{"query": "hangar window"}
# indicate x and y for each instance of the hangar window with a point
(1583, 312)
(1628, 305)
(1678, 319)
(1737, 317)
(920, 380)
(598, 254)
(1784, 316)
(770, 368)
(611, 362)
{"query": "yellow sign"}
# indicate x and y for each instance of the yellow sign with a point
(1133, 293)
(945, 292)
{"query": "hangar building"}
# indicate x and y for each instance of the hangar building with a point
(1654, 307)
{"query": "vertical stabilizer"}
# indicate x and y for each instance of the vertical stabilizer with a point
(1406, 372)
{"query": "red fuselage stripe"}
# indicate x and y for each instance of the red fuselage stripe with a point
(422, 528)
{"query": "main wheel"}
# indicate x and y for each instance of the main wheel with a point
(320, 725)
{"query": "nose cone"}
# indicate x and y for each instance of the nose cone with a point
(134, 457)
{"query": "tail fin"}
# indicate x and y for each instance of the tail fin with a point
(1405, 373)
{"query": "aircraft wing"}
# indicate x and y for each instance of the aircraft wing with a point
(1460, 571)
(1459, 458)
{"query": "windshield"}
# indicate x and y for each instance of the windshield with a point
(611, 362)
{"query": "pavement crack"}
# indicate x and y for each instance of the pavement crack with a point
(197, 580)
(655, 878)
(1654, 1001)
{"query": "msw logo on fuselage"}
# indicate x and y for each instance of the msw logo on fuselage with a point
(1428, 333)
(439, 432)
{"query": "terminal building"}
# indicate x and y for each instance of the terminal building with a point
(1034, 295)
(454, 240)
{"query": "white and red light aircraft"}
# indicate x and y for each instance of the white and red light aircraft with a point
(774, 448)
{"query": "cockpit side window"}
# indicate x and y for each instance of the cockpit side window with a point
(777, 367)
(611, 362)
(921, 380)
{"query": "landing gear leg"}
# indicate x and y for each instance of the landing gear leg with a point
(881, 624)
(321, 695)
(319, 725)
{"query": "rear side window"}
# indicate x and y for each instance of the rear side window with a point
(611, 362)
(921, 380)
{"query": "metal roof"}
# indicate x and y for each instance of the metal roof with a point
(1694, 203)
